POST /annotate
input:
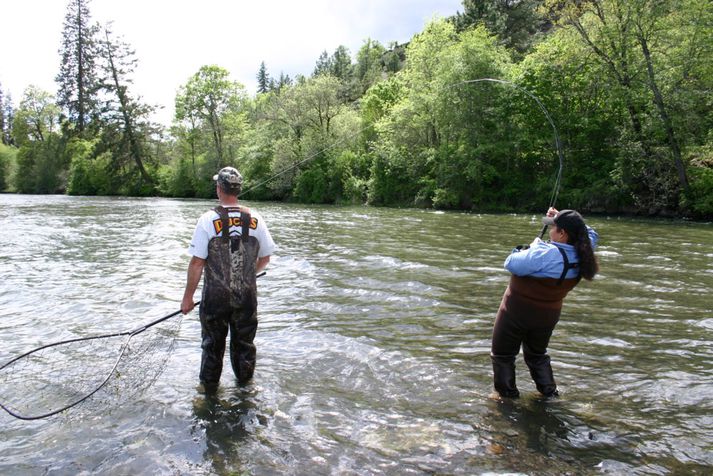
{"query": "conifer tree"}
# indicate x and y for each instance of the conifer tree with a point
(284, 81)
(2, 116)
(514, 23)
(123, 113)
(368, 68)
(324, 64)
(263, 79)
(77, 79)
(394, 57)
(7, 112)
(341, 63)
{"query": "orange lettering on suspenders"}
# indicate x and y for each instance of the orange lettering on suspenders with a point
(232, 222)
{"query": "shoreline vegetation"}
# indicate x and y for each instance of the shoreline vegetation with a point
(661, 218)
(627, 84)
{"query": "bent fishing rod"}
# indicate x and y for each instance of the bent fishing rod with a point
(558, 143)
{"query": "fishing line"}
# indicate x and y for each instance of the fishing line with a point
(303, 161)
(558, 143)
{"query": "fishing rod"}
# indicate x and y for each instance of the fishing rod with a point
(558, 143)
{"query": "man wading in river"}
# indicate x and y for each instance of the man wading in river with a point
(542, 275)
(232, 244)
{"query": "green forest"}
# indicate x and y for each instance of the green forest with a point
(627, 83)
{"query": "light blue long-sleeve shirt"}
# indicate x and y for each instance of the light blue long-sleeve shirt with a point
(543, 260)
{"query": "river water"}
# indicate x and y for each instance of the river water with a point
(373, 346)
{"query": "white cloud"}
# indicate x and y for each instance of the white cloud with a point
(173, 39)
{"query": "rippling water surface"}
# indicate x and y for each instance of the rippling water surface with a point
(372, 347)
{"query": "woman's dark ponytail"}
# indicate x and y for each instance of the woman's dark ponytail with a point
(588, 266)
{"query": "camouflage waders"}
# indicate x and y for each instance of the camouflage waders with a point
(229, 300)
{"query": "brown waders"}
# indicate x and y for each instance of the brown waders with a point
(528, 313)
(229, 301)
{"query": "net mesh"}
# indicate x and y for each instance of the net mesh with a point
(88, 374)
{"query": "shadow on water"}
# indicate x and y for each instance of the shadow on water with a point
(554, 430)
(229, 420)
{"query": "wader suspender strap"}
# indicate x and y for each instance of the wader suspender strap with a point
(567, 265)
(245, 219)
(225, 231)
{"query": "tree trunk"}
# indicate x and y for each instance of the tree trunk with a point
(80, 72)
(621, 73)
(129, 133)
(663, 114)
(217, 137)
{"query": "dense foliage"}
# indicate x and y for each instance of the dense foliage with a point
(626, 82)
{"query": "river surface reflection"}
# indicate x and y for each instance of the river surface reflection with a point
(372, 347)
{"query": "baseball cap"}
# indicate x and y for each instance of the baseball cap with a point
(568, 220)
(229, 176)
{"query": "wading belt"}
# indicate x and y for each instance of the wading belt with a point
(245, 219)
(567, 265)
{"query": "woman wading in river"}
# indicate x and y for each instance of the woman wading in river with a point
(542, 275)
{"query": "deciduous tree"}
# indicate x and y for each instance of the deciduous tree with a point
(40, 159)
(37, 117)
(209, 96)
(631, 40)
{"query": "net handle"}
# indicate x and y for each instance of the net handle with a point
(121, 352)
(139, 330)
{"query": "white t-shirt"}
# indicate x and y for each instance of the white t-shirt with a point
(209, 226)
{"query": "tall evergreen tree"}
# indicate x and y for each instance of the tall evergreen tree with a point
(341, 63)
(277, 85)
(368, 68)
(77, 79)
(127, 113)
(515, 23)
(284, 81)
(324, 64)
(338, 65)
(394, 57)
(263, 79)
(2, 116)
(8, 114)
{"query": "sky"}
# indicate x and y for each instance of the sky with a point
(174, 38)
